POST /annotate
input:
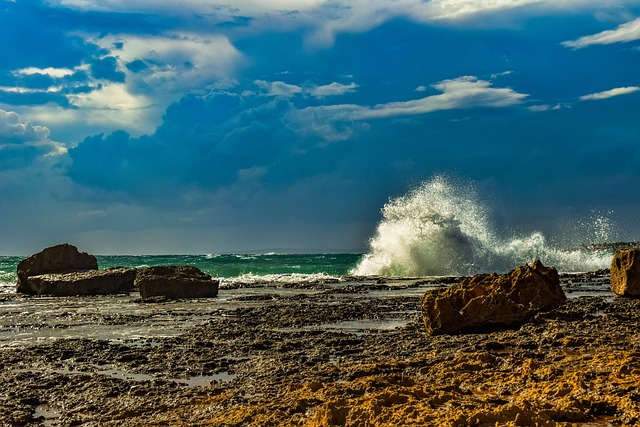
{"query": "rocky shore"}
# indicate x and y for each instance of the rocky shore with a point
(322, 356)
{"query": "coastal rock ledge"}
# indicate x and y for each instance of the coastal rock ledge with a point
(625, 273)
(64, 258)
(492, 301)
(64, 271)
(91, 282)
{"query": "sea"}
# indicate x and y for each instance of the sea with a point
(442, 227)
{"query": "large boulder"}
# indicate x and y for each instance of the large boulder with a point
(90, 282)
(175, 282)
(64, 258)
(492, 301)
(625, 273)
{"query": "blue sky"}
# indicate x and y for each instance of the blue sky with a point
(146, 126)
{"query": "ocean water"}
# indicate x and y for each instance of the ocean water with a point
(229, 268)
(440, 228)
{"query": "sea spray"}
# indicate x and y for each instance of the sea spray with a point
(442, 228)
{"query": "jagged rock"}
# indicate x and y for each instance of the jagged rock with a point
(64, 258)
(625, 272)
(490, 301)
(175, 282)
(91, 282)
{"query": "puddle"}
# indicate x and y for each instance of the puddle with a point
(205, 380)
(110, 371)
(357, 327)
(602, 421)
(124, 375)
(46, 415)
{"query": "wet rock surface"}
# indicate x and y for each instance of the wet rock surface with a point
(352, 354)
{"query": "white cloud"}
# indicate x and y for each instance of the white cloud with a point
(175, 50)
(356, 16)
(627, 32)
(333, 89)
(11, 128)
(456, 9)
(113, 106)
(460, 93)
(170, 66)
(278, 88)
(282, 89)
(49, 71)
(174, 62)
(187, 6)
(326, 19)
(610, 93)
(113, 96)
(17, 133)
(543, 107)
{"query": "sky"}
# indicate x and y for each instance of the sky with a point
(151, 127)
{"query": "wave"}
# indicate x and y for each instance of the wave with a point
(292, 279)
(442, 228)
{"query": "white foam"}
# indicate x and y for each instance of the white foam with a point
(441, 228)
(278, 279)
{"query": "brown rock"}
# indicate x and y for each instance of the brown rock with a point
(91, 282)
(63, 258)
(175, 282)
(625, 272)
(492, 300)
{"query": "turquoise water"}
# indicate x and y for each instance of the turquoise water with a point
(245, 267)
(229, 266)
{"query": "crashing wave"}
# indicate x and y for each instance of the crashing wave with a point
(441, 228)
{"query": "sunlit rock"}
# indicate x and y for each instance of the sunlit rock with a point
(175, 282)
(490, 301)
(625, 273)
(64, 258)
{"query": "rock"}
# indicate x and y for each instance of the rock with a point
(490, 301)
(91, 282)
(175, 282)
(63, 258)
(625, 272)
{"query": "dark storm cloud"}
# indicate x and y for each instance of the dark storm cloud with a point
(204, 141)
(107, 69)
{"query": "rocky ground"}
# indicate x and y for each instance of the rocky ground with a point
(298, 360)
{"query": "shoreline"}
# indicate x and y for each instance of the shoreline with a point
(319, 356)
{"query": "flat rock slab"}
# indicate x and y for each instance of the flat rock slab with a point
(92, 282)
(175, 282)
